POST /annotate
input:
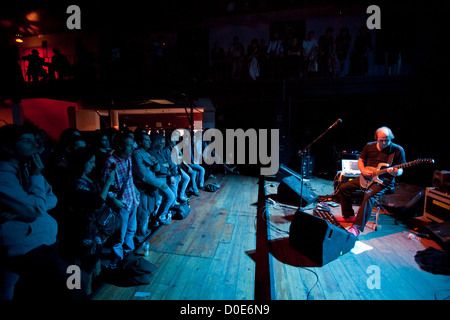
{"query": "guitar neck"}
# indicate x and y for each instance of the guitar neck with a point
(399, 166)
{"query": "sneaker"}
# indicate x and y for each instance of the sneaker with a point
(112, 267)
(348, 219)
(154, 224)
(165, 220)
(353, 231)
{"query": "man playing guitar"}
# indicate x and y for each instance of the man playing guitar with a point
(383, 150)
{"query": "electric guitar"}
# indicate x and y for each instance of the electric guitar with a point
(382, 168)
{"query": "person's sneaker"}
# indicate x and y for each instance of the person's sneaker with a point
(154, 224)
(347, 219)
(166, 219)
(164, 222)
(353, 231)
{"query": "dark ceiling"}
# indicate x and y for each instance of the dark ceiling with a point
(141, 16)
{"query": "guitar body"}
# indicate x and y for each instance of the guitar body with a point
(381, 170)
(365, 182)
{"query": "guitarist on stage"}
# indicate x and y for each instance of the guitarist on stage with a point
(383, 150)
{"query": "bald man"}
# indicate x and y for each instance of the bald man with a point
(382, 150)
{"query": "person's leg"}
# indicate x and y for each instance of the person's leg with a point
(131, 231)
(45, 275)
(119, 238)
(8, 280)
(345, 197)
(142, 216)
(371, 195)
(201, 174)
(194, 182)
(174, 188)
(184, 183)
(168, 197)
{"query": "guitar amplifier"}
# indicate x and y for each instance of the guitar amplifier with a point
(437, 205)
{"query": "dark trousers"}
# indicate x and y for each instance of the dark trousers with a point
(40, 274)
(147, 205)
(371, 195)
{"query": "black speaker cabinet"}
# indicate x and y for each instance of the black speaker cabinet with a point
(289, 191)
(441, 180)
(317, 239)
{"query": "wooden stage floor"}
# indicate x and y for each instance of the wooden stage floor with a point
(233, 248)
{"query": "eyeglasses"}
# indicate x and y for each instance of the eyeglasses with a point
(384, 140)
(27, 140)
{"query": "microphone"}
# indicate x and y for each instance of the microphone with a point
(335, 123)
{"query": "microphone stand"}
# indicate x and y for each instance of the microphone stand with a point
(302, 154)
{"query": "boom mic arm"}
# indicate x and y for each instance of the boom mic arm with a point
(335, 123)
(300, 152)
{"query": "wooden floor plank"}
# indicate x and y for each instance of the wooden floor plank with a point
(196, 281)
(330, 287)
(296, 289)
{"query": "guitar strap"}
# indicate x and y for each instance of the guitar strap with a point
(391, 158)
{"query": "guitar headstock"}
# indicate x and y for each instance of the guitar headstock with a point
(424, 160)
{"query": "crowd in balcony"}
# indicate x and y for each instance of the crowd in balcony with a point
(332, 54)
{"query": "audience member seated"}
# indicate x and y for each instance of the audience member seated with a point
(185, 179)
(145, 180)
(200, 179)
(81, 241)
(56, 171)
(192, 188)
(103, 149)
(168, 169)
(30, 264)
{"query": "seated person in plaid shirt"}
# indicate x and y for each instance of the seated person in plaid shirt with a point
(123, 195)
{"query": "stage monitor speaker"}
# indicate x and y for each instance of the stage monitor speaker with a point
(441, 180)
(441, 233)
(289, 191)
(317, 239)
(405, 200)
